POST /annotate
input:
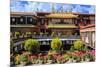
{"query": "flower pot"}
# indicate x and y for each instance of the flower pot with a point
(23, 63)
(74, 61)
(87, 59)
(49, 61)
(69, 61)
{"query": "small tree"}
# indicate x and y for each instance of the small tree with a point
(32, 45)
(17, 34)
(78, 45)
(56, 44)
(28, 34)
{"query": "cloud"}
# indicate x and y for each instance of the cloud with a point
(92, 10)
(16, 6)
(58, 7)
(68, 8)
(45, 7)
(29, 6)
(77, 8)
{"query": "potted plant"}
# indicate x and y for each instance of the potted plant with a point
(65, 58)
(40, 59)
(33, 59)
(45, 59)
(59, 59)
(88, 57)
(12, 59)
(24, 59)
(17, 59)
(49, 57)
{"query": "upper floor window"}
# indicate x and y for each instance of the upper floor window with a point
(21, 20)
(92, 18)
(29, 20)
(68, 21)
(62, 21)
(13, 20)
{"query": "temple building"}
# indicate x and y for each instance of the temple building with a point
(69, 25)
(58, 23)
(45, 25)
(87, 29)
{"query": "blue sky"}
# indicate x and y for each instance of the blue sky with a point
(30, 6)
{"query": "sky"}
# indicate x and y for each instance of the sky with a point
(31, 6)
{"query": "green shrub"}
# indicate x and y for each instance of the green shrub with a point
(56, 44)
(24, 58)
(32, 45)
(78, 45)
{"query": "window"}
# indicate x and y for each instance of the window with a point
(29, 20)
(93, 39)
(68, 21)
(42, 21)
(92, 19)
(62, 21)
(13, 20)
(21, 20)
(85, 21)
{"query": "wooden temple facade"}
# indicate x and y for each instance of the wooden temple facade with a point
(58, 24)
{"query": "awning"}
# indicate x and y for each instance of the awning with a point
(18, 25)
(61, 15)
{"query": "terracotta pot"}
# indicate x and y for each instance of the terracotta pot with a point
(23, 63)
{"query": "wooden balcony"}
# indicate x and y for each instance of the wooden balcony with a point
(24, 25)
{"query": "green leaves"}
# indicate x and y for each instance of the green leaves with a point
(32, 45)
(78, 44)
(24, 58)
(56, 44)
